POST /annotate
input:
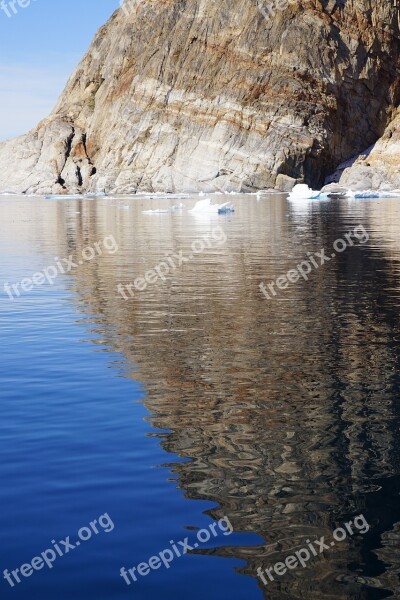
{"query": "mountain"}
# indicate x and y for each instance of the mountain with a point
(191, 95)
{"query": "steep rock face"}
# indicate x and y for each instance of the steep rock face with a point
(378, 168)
(195, 94)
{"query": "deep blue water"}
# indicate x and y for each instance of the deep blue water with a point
(74, 444)
(198, 399)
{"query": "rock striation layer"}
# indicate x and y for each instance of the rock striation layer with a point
(188, 95)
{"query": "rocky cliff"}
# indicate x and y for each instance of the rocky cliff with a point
(377, 168)
(201, 95)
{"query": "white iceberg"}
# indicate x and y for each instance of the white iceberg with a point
(205, 206)
(301, 191)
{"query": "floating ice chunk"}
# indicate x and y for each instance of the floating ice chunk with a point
(163, 211)
(373, 194)
(205, 206)
(63, 197)
(177, 207)
(362, 194)
(301, 191)
(161, 196)
(228, 208)
(367, 194)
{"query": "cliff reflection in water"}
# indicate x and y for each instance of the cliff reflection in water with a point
(288, 409)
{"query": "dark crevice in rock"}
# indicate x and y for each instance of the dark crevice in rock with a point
(79, 176)
(69, 145)
(93, 170)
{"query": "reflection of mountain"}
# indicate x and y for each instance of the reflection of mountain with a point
(286, 408)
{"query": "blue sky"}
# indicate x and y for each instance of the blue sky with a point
(39, 48)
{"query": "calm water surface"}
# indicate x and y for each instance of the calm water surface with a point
(198, 399)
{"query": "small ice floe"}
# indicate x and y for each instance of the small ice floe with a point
(162, 196)
(301, 191)
(263, 193)
(372, 194)
(95, 194)
(205, 206)
(364, 194)
(201, 194)
(63, 197)
(228, 208)
(163, 211)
